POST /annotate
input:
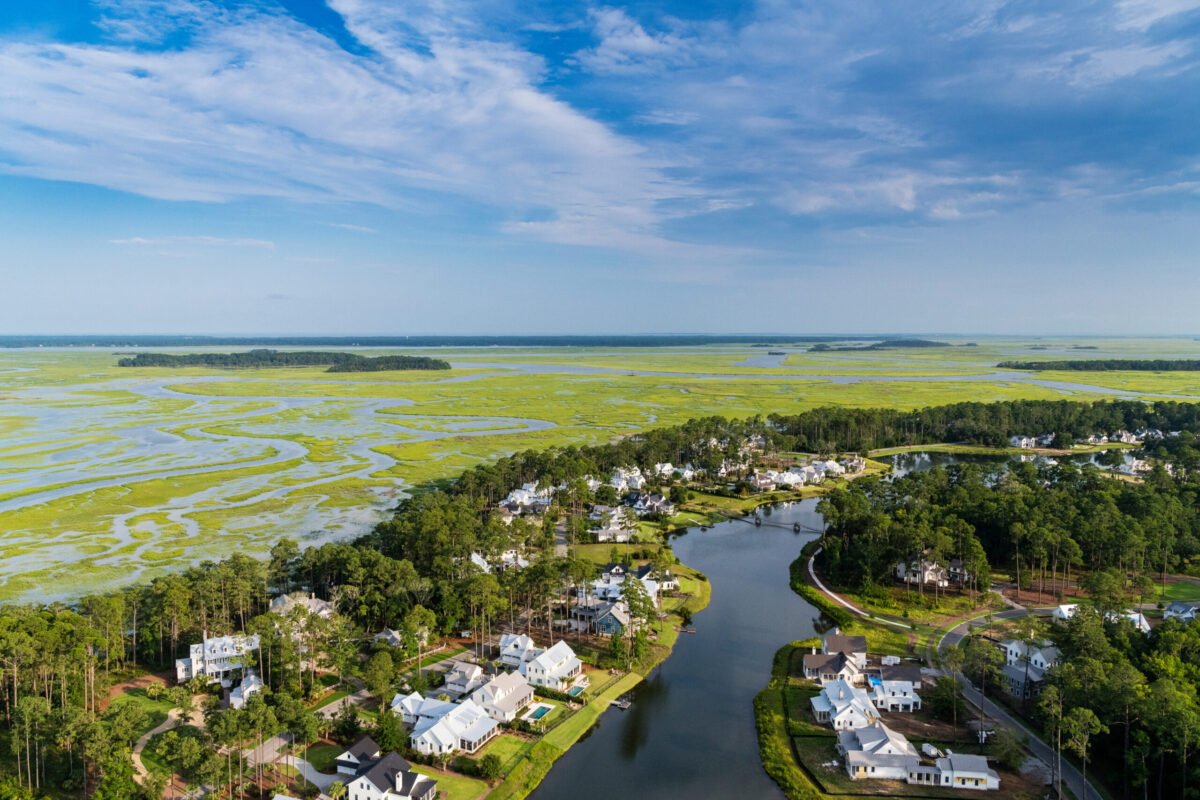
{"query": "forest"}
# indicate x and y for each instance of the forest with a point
(1126, 701)
(1108, 365)
(413, 571)
(263, 359)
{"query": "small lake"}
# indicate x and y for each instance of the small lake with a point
(690, 732)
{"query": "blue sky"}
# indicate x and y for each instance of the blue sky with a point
(441, 166)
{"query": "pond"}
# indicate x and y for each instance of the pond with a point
(690, 731)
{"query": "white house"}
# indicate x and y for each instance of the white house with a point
(463, 678)
(853, 647)
(895, 696)
(928, 572)
(361, 753)
(626, 478)
(1184, 612)
(440, 727)
(1045, 439)
(1138, 619)
(876, 751)
(1125, 437)
(960, 771)
(556, 668)
(516, 649)
(503, 697)
(1041, 656)
(251, 685)
(283, 604)
(823, 667)
(843, 706)
(1024, 442)
(216, 658)
(1065, 612)
(390, 778)
(829, 467)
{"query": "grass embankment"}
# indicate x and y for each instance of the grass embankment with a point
(524, 777)
(528, 773)
(771, 719)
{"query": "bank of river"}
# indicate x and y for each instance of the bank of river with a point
(690, 731)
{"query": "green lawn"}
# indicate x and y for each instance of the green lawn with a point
(330, 698)
(156, 710)
(504, 746)
(452, 786)
(1184, 591)
(322, 757)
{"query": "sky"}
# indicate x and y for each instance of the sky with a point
(448, 166)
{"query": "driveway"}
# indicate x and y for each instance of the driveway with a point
(1071, 776)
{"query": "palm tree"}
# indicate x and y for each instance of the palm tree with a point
(336, 790)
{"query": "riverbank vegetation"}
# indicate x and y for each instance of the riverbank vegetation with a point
(1108, 365)
(269, 359)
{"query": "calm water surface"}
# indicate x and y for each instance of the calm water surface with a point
(690, 733)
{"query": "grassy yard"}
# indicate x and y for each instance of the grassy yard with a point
(505, 747)
(1184, 591)
(322, 756)
(330, 698)
(452, 786)
(156, 710)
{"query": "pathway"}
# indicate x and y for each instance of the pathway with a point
(196, 719)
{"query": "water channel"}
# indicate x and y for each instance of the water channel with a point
(690, 731)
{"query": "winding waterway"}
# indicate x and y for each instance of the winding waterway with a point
(690, 731)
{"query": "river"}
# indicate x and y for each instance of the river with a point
(690, 731)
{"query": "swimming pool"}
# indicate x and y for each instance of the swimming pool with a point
(575, 691)
(875, 681)
(537, 711)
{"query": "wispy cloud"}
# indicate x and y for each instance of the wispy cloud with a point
(214, 241)
(349, 227)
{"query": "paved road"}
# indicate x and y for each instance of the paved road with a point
(1071, 776)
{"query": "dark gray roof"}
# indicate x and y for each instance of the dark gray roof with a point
(901, 672)
(410, 780)
(364, 749)
(382, 774)
(832, 662)
(840, 643)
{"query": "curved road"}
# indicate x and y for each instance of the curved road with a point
(1071, 776)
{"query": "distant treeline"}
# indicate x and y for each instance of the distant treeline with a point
(1109, 364)
(613, 340)
(886, 344)
(337, 362)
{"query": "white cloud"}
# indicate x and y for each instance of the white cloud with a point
(1141, 14)
(259, 105)
(349, 227)
(625, 46)
(202, 240)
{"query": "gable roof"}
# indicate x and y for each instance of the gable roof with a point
(825, 662)
(382, 774)
(362, 750)
(840, 643)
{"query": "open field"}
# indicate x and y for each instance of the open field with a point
(111, 475)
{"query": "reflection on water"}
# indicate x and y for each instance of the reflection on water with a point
(690, 731)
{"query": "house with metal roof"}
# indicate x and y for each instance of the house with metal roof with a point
(843, 706)
(557, 668)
